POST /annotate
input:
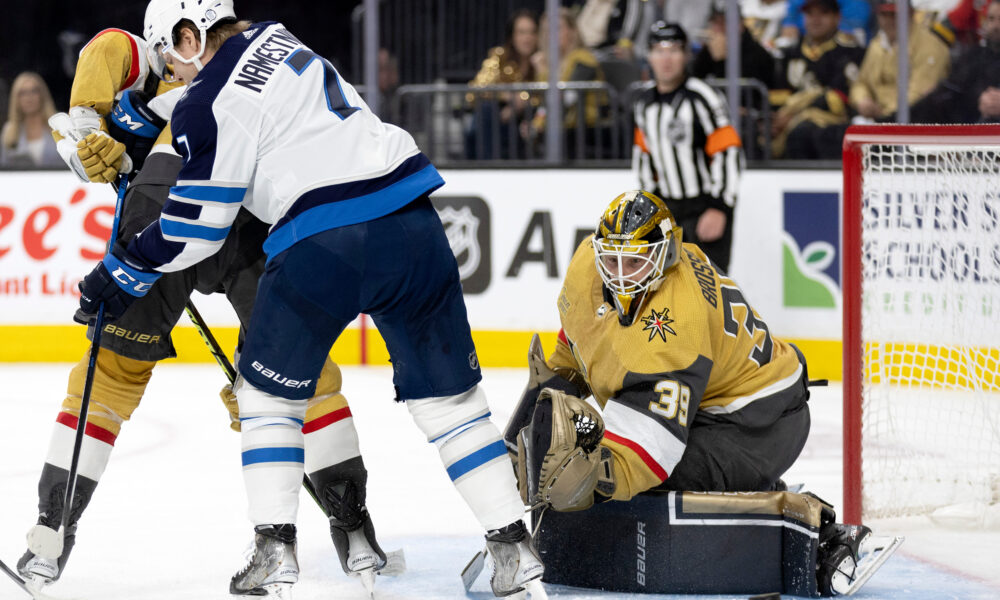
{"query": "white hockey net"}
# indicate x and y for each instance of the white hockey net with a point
(930, 331)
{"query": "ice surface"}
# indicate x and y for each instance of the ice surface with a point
(169, 518)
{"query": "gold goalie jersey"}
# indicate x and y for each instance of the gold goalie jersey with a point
(697, 347)
(114, 61)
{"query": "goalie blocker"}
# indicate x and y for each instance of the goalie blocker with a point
(698, 543)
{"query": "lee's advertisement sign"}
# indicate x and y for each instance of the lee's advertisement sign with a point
(513, 234)
(52, 232)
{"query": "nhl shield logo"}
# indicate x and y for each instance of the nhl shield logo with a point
(462, 228)
(466, 221)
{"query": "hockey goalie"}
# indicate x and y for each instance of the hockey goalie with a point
(678, 474)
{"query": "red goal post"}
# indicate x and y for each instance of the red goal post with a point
(901, 179)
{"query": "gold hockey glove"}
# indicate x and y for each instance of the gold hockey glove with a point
(229, 399)
(560, 461)
(101, 157)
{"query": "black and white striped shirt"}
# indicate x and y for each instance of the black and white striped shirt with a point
(685, 149)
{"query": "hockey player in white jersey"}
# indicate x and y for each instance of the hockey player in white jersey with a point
(269, 125)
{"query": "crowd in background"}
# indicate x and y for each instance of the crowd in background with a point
(824, 63)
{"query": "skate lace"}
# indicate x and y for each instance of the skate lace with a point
(248, 553)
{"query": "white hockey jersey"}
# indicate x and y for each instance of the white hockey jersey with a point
(270, 125)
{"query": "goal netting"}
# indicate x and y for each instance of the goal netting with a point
(922, 322)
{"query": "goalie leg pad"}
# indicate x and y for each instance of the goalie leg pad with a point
(273, 453)
(472, 452)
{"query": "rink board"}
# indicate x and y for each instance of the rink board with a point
(513, 234)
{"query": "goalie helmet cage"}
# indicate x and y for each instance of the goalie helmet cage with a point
(921, 319)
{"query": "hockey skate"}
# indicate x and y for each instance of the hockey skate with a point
(272, 566)
(848, 556)
(353, 536)
(517, 568)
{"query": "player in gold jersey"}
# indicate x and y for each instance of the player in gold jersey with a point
(701, 412)
(696, 393)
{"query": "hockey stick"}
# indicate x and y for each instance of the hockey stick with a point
(43, 541)
(21, 583)
(81, 424)
(230, 371)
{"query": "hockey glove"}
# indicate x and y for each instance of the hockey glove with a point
(102, 157)
(116, 281)
(540, 375)
(560, 461)
(229, 399)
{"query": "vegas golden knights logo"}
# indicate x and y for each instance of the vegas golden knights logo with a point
(658, 324)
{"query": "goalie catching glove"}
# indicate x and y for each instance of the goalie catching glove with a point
(560, 461)
(540, 376)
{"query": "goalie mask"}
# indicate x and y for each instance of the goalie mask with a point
(635, 244)
(161, 18)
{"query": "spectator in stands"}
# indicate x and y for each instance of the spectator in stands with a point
(685, 150)
(576, 63)
(388, 81)
(755, 62)
(26, 140)
(624, 25)
(505, 111)
(972, 91)
(4, 99)
(855, 18)
(874, 93)
(815, 79)
(764, 18)
(611, 26)
(968, 18)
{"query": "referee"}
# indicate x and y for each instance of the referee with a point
(685, 149)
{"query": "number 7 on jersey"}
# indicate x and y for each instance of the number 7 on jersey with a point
(335, 100)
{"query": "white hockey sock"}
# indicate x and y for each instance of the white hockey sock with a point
(95, 451)
(273, 453)
(330, 440)
(473, 453)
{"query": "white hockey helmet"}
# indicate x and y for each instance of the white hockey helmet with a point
(163, 15)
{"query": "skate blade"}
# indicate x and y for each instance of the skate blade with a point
(279, 591)
(472, 570)
(35, 590)
(881, 548)
(533, 590)
(367, 577)
(395, 564)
